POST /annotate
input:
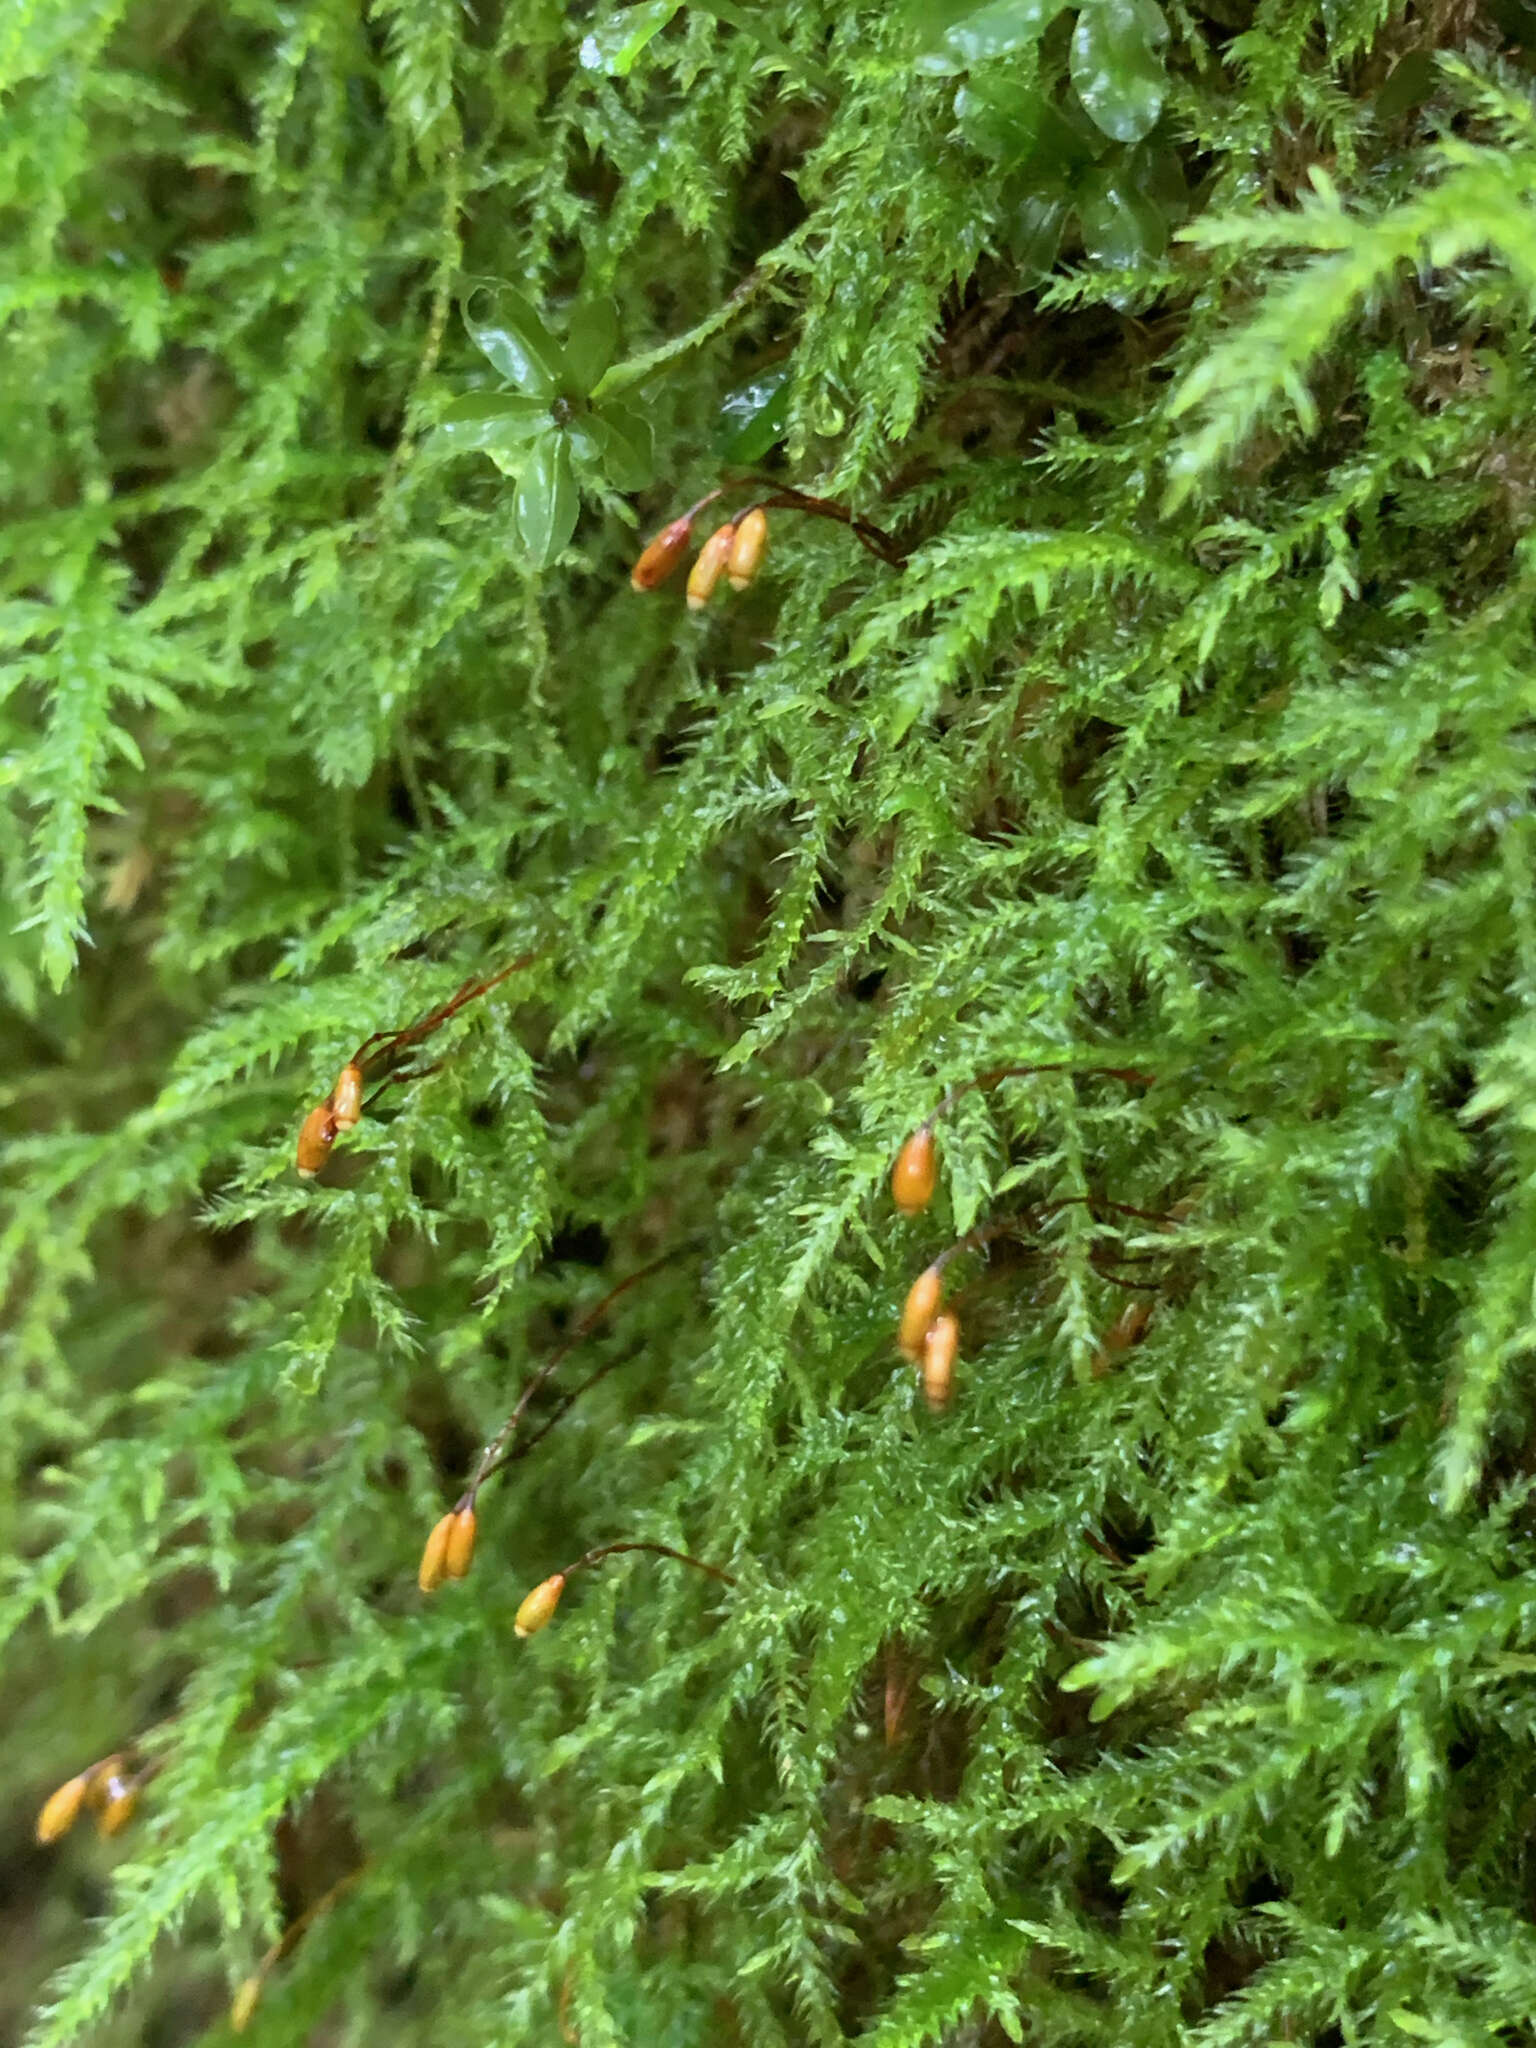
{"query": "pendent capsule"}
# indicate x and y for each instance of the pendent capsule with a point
(433, 1568)
(538, 1608)
(748, 548)
(62, 1808)
(661, 555)
(706, 571)
(460, 1551)
(940, 1348)
(317, 1134)
(347, 1097)
(916, 1172)
(919, 1310)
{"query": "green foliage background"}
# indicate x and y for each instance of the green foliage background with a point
(1196, 734)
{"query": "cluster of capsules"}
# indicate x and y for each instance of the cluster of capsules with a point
(928, 1333)
(107, 1788)
(736, 548)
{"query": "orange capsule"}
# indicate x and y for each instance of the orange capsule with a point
(243, 2004)
(538, 1609)
(919, 1310)
(662, 555)
(433, 1568)
(705, 573)
(916, 1172)
(62, 1808)
(748, 548)
(939, 1350)
(317, 1134)
(119, 1797)
(347, 1097)
(459, 1552)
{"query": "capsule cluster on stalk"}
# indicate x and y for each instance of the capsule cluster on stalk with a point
(450, 1549)
(107, 1789)
(734, 550)
(929, 1334)
(342, 1110)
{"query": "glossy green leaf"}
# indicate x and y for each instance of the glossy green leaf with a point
(489, 421)
(613, 45)
(999, 116)
(590, 345)
(1121, 227)
(1116, 67)
(513, 339)
(625, 446)
(753, 417)
(547, 502)
(986, 32)
(1036, 232)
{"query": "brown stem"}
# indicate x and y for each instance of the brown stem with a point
(395, 1043)
(495, 1454)
(1133, 1076)
(294, 1933)
(785, 496)
(595, 1557)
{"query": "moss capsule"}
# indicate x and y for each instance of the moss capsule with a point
(459, 1550)
(347, 1097)
(748, 548)
(919, 1310)
(433, 1568)
(705, 573)
(538, 1609)
(916, 1172)
(940, 1347)
(61, 1809)
(661, 555)
(317, 1134)
(119, 1798)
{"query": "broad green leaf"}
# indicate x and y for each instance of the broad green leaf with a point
(987, 32)
(1116, 67)
(625, 446)
(512, 338)
(489, 420)
(547, 502)
(999, 117)
(1037, 228)
(1121, 227)
(753, 417)
(589, 347)
(613, 45)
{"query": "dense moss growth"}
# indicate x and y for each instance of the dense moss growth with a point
(1185, 727)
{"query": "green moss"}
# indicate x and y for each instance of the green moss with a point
(1184, 1700)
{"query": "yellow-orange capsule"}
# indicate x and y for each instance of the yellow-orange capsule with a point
(919, 1310)
(538, 1609)
(460, 1550)
(748, 548)
(317, 1134)
(433, 1568)
(119, 1797)
(661, 555)
(347, 1097)
(243, 2004)
(61, 1809)
(705, 573)
(916, 1172)
(940, 1347)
